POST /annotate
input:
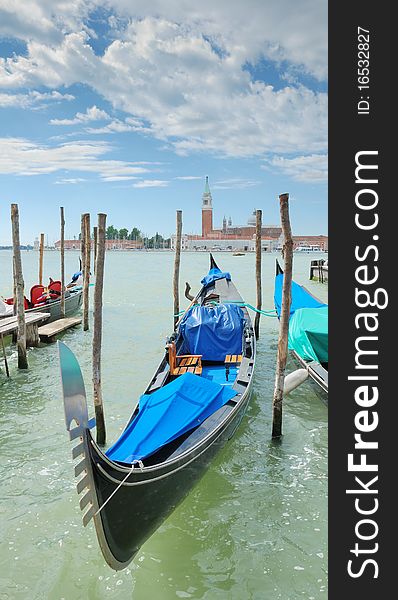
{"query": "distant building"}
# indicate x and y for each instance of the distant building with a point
(227, 237)
(109, 244)
(316, 242)
(230, 237)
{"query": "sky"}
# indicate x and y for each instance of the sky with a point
(124, 107)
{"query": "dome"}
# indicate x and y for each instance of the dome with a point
(251, 221)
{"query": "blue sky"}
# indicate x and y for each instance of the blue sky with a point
(124, 107)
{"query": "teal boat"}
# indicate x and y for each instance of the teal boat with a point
(308, 329)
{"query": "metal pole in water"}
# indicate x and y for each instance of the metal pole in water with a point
(285, 315)
(177, 267)
(19, 285)
(258, 272)
(97, 330)
(62, 251)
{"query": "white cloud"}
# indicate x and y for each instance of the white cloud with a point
(116, 126)
(92, 114)
(22, 157)
(150, 183)
(33, 99)
(118, 177)
(182, 71)
(310, 169)
(45, 20)
(189, 177)
(231, 184)
(281, 30)
(70, 180)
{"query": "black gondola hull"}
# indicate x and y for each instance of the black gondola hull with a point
(128, 503)
(149, 496)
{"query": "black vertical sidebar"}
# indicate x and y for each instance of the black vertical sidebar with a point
(362, 524)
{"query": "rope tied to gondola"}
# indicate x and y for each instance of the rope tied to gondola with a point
(266, 313)
(134, 463)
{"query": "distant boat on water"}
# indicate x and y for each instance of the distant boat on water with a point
(308, 249)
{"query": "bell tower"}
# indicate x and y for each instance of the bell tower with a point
(207, 210)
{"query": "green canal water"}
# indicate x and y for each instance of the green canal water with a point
(255, 527)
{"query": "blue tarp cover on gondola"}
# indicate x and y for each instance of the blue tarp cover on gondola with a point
(168, 413)
(213, 331)
(215, 274)
(300, 297)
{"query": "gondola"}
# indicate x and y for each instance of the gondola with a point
(190, 409)
(48, 300)
(73, 301)
(308, 329)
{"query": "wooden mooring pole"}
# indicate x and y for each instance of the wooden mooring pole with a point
(86, 247)
(4, 356)
(41, 256)
(82, 241)
(62, 252)
(95, 245)
(258, 272)
(285, 315)
(177, 260)
(97, 330)
(14, 305)
(19, 287)
(88, 263)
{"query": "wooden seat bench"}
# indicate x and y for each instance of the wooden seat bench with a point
(184, 363)
(233, 358)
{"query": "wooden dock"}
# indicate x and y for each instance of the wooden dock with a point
(49, 331)
(9, 325)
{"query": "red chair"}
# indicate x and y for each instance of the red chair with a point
(54, 289)
(35, 292)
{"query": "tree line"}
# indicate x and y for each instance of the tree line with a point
(123, 234)
(156, 241)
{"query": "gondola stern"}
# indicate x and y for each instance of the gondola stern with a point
(278, 268)
(213, 264)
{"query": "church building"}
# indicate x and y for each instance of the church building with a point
(228, 237)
